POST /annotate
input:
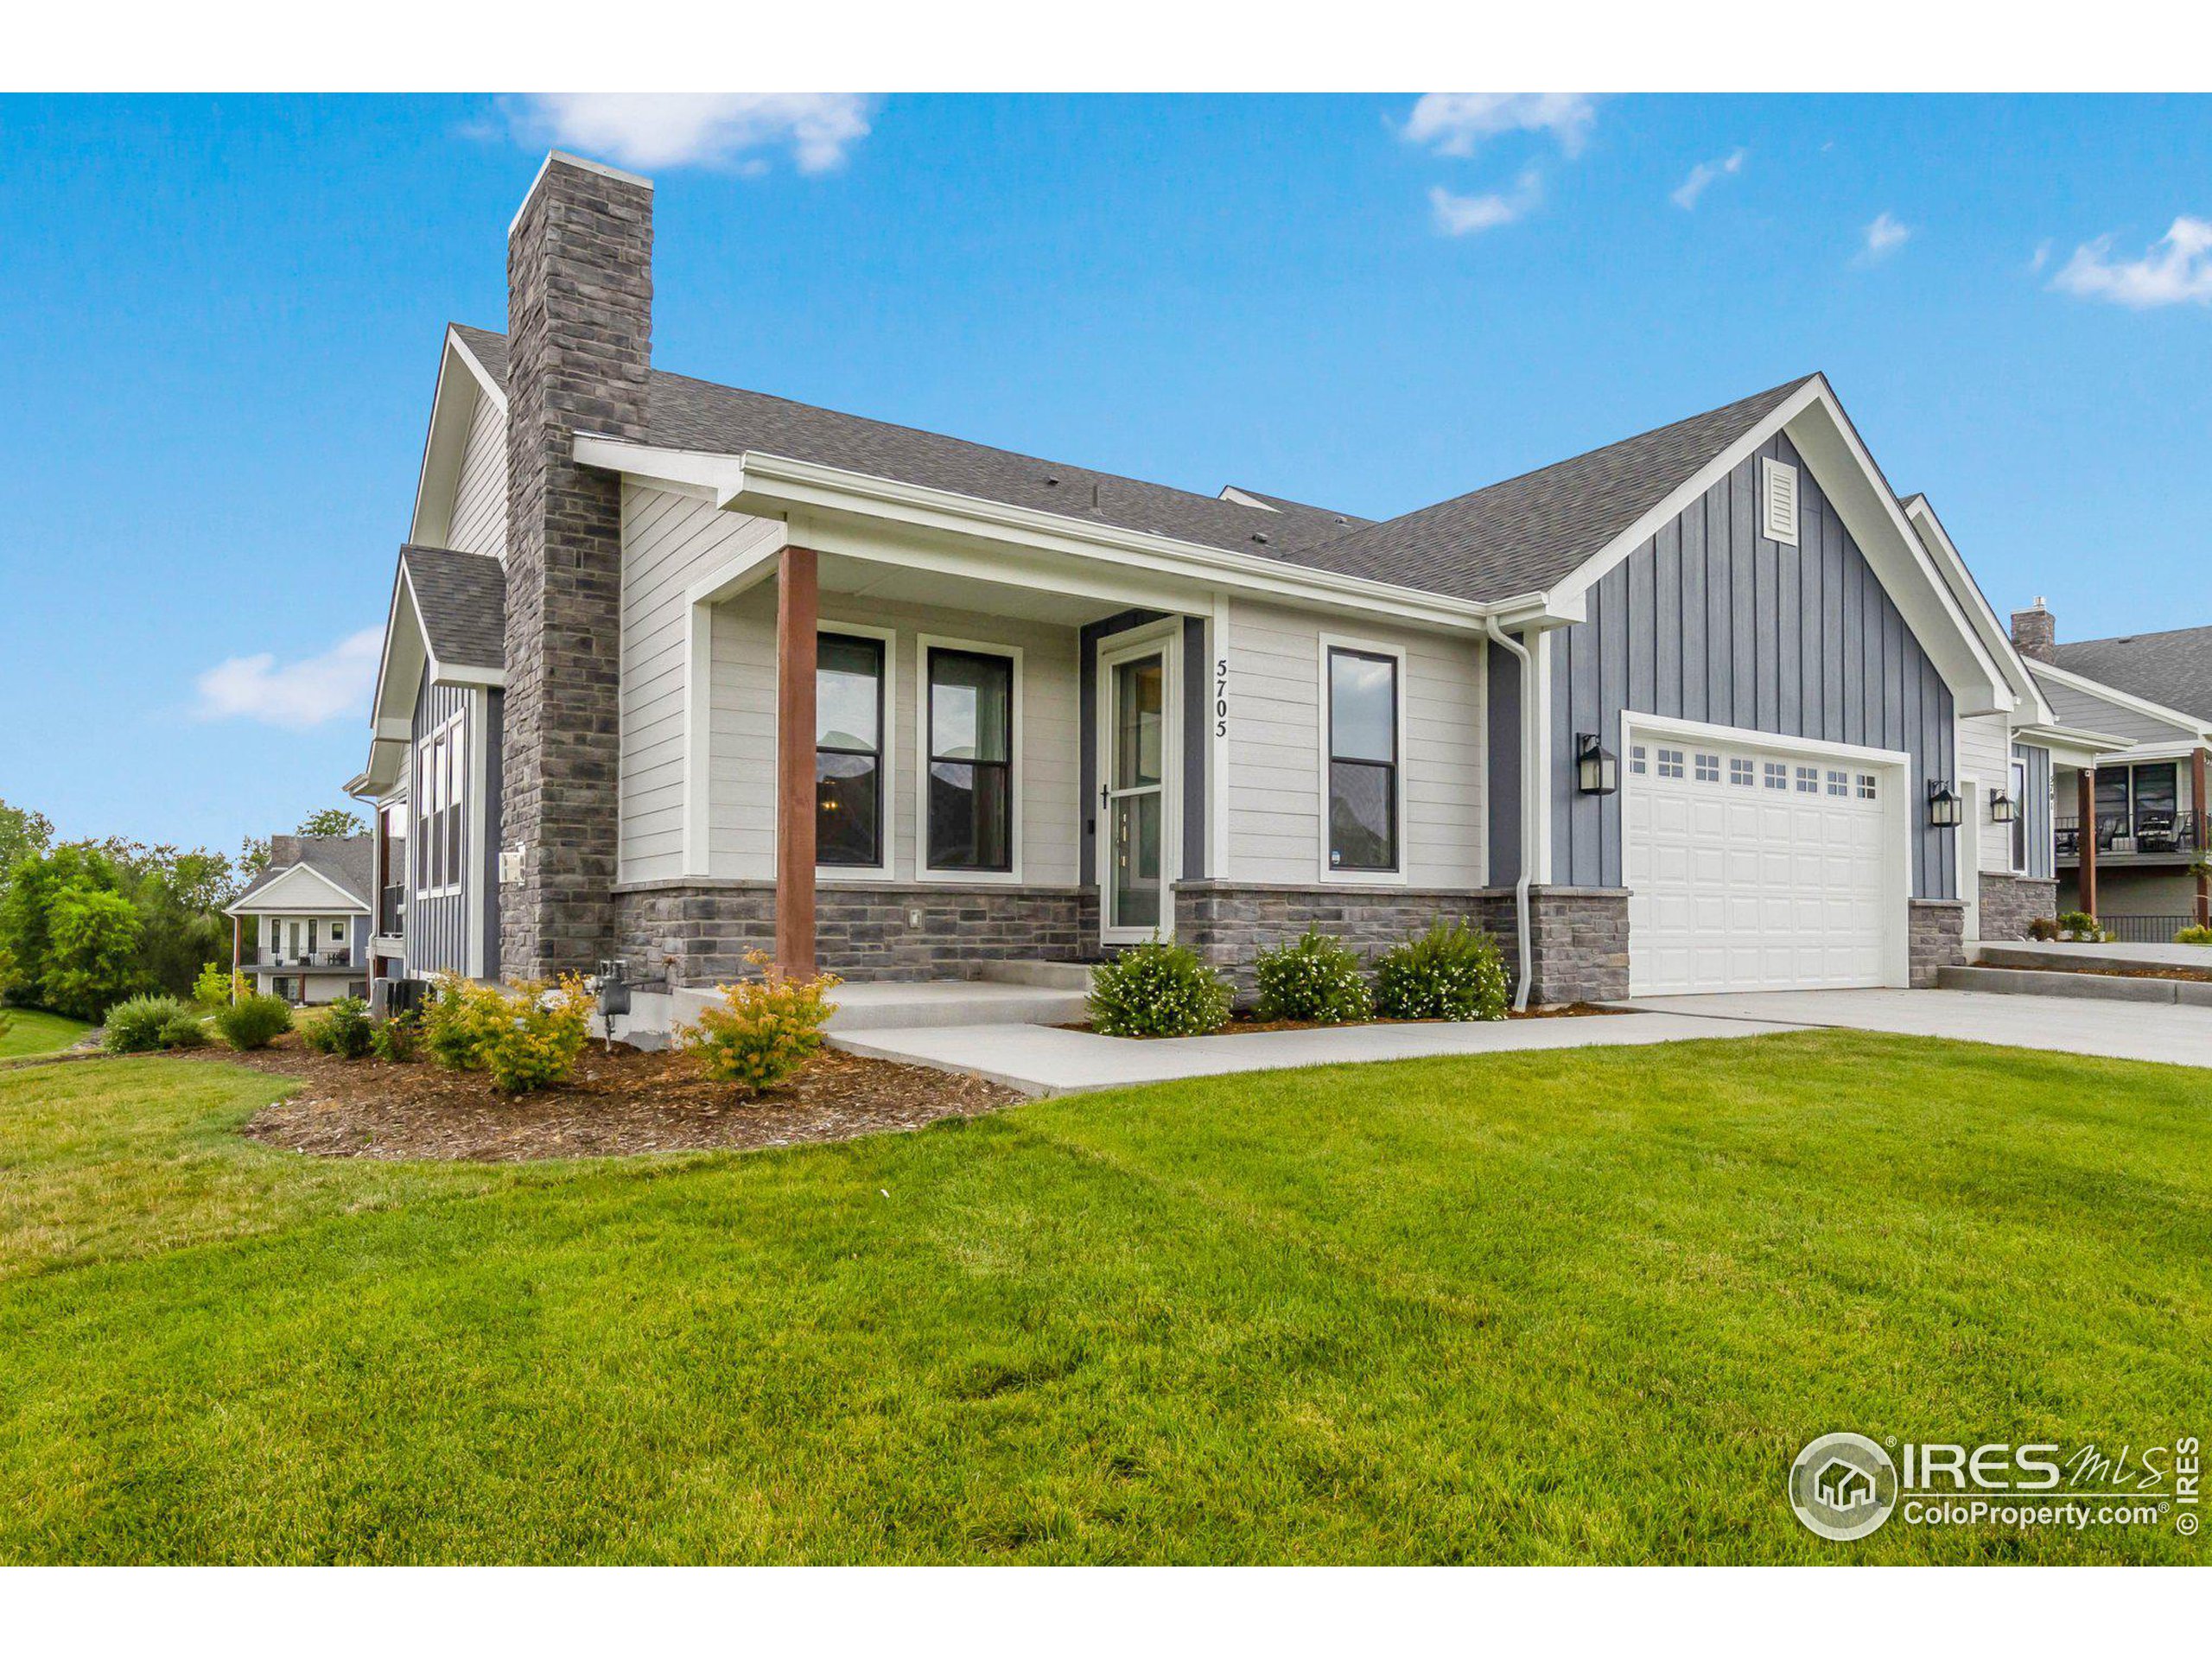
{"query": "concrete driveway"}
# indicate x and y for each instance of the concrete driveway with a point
(2119, 1031)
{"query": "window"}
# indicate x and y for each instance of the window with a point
(338, 932)
(1363, 760)
(1670, 763)
(1868, 790)
(849, 680)
(1741, 773)
(1708, 768)
(971, 725)
(1777, 775)
(1839, 784)
(2019, 786)
(1635, 760)
(1808, 780)
(1780, 493)
(438, 770)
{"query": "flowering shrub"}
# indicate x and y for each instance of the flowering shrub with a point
(344, 1029)
(461, 1020)
(1312, 977)
(138, 1025)
(1158, 990)
(254, 1021)
(1451, 972)
(765, 1029)
(542, 1030)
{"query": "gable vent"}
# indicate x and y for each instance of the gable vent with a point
(1779, 493)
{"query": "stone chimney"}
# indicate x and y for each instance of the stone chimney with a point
(2035, 633)
(283, 851)
(579, 348)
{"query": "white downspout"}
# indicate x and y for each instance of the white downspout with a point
(1529, 711)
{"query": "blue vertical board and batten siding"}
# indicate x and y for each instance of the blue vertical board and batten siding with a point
(437, 924)
(2036, 810)
(1711, 620)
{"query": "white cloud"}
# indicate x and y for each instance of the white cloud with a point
(2175, 269)
(1464, 215)
(1703, 176)
(648, 130)
(1884, 238)
(295, 695)
(1456, 124)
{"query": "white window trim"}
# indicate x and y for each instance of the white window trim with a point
(1327, 642)
(1017, 772)
(2017, 772)
(888, 746)
(1772, 473)
(1165, 636)
(418, 854)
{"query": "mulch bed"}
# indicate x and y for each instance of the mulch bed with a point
(1240, 1024)
(612, 1105)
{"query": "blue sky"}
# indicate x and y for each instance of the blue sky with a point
(221, 319)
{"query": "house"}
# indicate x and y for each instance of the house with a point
(674, 672)
(311, 910)
(2130, 831)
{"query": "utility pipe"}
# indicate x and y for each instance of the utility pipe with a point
(1499, 636)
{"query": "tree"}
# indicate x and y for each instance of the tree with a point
(333, 821)
(23, 834)
(92, 961)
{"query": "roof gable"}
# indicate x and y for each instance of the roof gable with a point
(2173, 668)
(302, 886)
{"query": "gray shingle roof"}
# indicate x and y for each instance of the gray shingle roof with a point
(350, 860)
(2174, 668)
(462, 598)
(1510, 538)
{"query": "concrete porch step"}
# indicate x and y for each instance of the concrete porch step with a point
(2095, 988)
(1052, 976)
(934, 1002)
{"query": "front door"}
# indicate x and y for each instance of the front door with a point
(1138, 817)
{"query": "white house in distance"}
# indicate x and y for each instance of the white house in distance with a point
(311, 911)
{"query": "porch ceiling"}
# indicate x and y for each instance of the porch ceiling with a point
(888, 583)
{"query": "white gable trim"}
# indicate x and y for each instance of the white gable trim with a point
(323, 889)
(463, 385)
(1828, 443)
(1996, 637)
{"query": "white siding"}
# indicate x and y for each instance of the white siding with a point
(1986, 754)
(479, 497)
(2090, 713)
(1274, 744)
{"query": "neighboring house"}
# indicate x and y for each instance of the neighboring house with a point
(676, 672)
(310, 909)
(2148, 804)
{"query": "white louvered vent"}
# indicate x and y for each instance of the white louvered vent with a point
(1780, 495)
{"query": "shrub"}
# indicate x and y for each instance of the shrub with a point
(217, 985)
(542, 1030)
(395, 1041)
(343, 1030)
(1157, 989)
(1451, 972)
(461, 1022)
(765, 1029)
(136, 1026)
(254, 1021)
(2194, 936)
(2044, 927)
(1313, 977)
(2080, 926)
(184, 1032)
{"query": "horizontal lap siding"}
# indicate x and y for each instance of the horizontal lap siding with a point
(2091, 713)
(1712, 621)
(1274, 783)
(480, 503)
(1986, 754)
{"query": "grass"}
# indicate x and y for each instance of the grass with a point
(1550, 1307)
(34, 1031)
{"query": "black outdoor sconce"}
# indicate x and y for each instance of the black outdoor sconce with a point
(1597, 768)
(1942, 806)
(2002, 809)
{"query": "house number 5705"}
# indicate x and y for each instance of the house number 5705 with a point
(1221, 698)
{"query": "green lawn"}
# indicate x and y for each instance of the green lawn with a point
(33, 1031)
(1562, 1307)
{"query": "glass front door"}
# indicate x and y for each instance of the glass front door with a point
(1135, 826)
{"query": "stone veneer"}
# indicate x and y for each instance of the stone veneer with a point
(1578, 936)
(580, 344)
(1938, 935)
(698, 932)
(2009, 903)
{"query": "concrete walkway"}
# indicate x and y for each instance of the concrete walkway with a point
(1046, 1060)
(2057, 953)
(2119, 1031)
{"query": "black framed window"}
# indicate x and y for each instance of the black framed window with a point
(971, 725)
(849, 751)
(1363, 760)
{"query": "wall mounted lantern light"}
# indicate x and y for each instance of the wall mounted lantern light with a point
(2002, 809)
(1942, 806)
(1597, 768)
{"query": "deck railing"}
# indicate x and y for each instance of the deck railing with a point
(2151, 833)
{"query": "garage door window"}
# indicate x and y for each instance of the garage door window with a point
(1777, 775)
(1741, 773)
(1708, 768)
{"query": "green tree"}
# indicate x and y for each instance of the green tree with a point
(92, 955)
(333, 821)
(23, 834)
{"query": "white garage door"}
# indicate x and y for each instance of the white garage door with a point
(1755, 868)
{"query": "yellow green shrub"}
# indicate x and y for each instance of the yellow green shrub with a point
(541, 1030)
(765, 1030)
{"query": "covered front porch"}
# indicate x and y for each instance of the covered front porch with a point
(2130, 833)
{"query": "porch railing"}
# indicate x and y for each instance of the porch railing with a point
(295, 959)
(2150, 833)
(2145, 930)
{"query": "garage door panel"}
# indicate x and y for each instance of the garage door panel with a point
(1739, 884)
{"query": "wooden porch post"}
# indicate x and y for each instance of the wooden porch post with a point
(2087, 811)
(238, 923)
(2203, 836)
(798, 608)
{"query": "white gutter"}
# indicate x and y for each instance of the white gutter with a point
(1499, 636)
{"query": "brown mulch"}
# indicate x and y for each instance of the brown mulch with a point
(1240, 1024)
(610, 1106)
